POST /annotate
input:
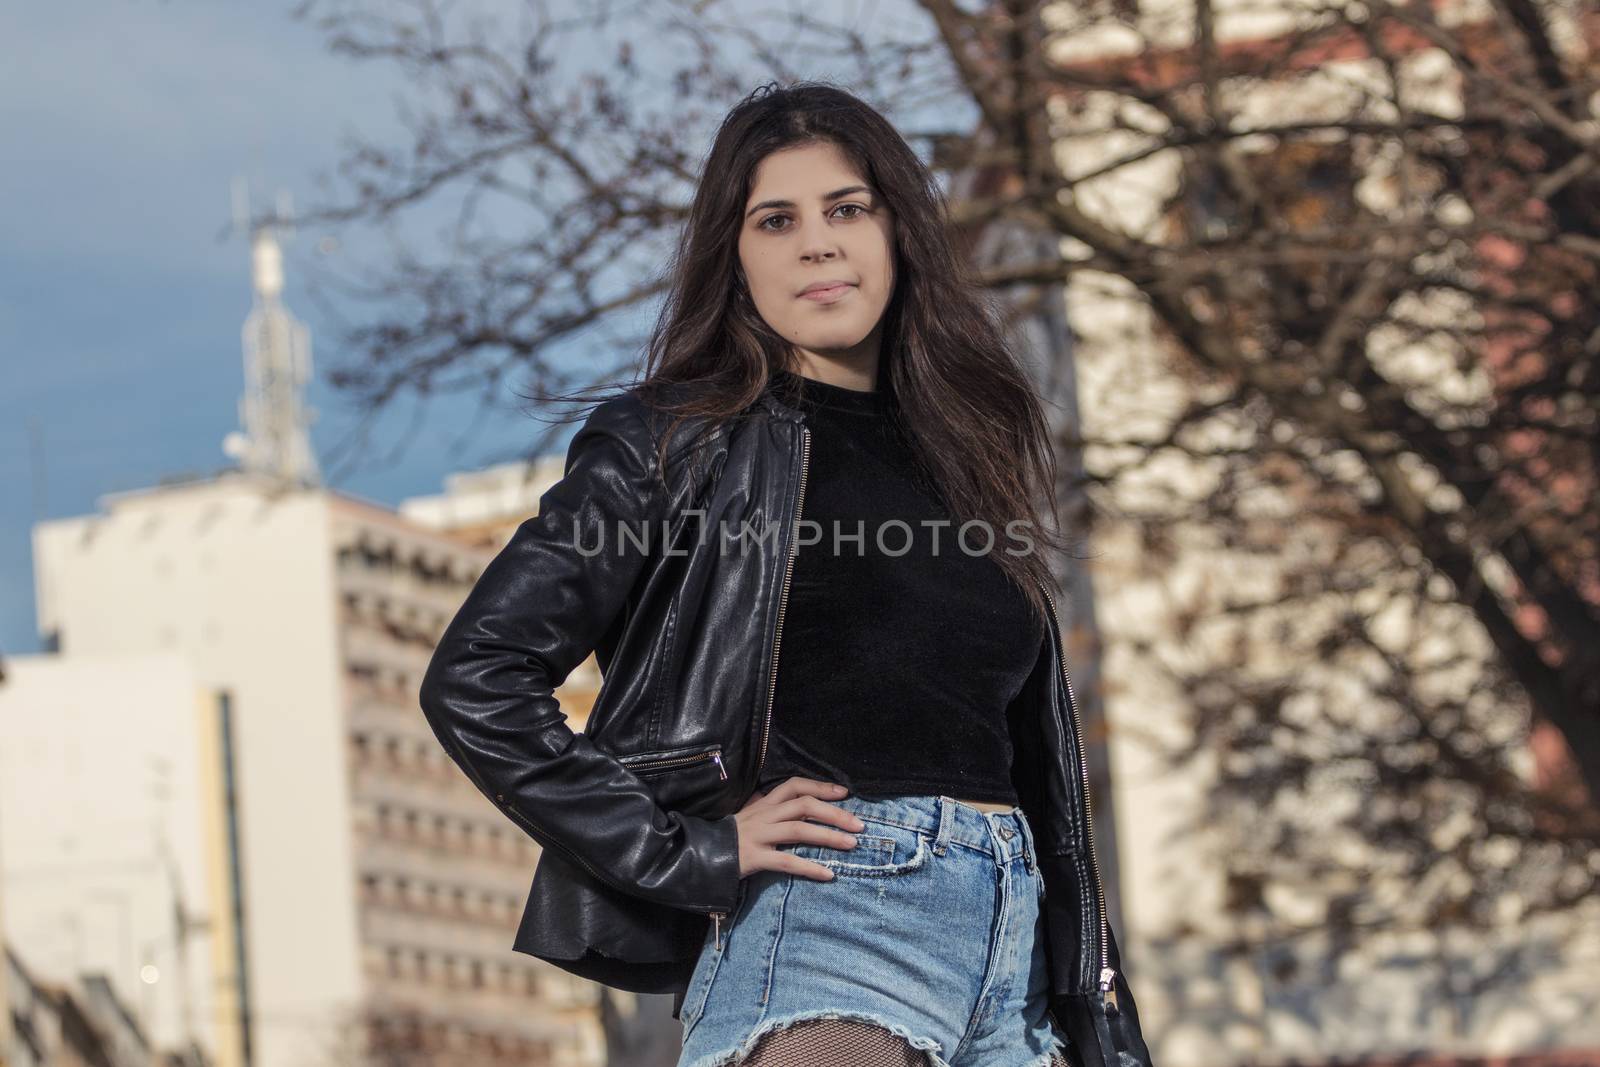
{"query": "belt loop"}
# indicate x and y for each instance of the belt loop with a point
(942, 838)
(1029, 859)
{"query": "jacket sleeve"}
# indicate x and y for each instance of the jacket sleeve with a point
(539, 608)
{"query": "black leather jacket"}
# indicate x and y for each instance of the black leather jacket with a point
(635, 813)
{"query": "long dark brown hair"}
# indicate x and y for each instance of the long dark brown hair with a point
(958, 394)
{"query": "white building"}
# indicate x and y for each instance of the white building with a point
(372, 876)
(261, 638)
(106, 850)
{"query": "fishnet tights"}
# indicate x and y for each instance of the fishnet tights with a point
(840, 1043)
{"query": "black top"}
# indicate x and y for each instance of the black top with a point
(900, 650)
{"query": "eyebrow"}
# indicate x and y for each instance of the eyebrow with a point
(836, 194)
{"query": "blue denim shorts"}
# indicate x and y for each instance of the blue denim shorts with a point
(931, 927)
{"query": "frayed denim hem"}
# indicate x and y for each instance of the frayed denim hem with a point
(745, 1047)
(1057, 1053)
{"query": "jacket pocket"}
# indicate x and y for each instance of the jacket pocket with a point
(687, 778)
(661, 760)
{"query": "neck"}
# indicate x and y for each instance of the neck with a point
(810, 394)
(853, 368)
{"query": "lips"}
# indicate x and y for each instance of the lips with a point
(826, 294)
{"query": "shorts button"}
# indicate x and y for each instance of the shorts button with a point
(1005, 832)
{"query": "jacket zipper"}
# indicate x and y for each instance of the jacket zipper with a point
(714, 755)
(783, 596)
(777, 630)
(1108, 990)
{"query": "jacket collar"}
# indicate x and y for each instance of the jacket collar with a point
(776, 407)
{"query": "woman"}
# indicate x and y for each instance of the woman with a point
(873, 845)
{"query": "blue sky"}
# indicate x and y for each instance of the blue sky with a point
(121, 299)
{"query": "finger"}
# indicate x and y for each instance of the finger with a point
(797, 786)
(821, 788)
(816, 808)
(799, 807)
(773, 830)
(811, 833)
(762, 799)
(789, 863)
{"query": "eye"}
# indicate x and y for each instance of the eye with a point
(860, 209)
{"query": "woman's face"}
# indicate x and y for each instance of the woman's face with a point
(812, 218)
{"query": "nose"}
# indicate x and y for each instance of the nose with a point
(816, 243)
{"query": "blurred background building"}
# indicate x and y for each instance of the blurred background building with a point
(221, 811)
(1218, 980)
